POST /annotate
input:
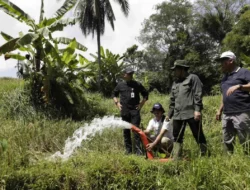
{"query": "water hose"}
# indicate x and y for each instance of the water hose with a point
(145, 142)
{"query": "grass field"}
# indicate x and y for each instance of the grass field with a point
(28, 137)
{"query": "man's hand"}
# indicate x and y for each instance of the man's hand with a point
(150, 146)
(119, 106)
(140, 105)
(167, 118)
(218, 115)
(232, 89)
(197, 115)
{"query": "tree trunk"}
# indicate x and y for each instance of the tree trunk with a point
(38, 59)
(99, 56)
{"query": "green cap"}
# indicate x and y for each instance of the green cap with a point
(180, 63)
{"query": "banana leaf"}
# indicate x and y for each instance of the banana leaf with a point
(14, 56)
(45, 32)
(27, 39)
(60, 24)
(67, 41)
(68, 4)
(15, 12)
(9, 46)
(68, 96)
(6, 36)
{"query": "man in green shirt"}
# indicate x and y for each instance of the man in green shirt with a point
(185, 107)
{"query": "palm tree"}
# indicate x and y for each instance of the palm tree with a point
(92, 19)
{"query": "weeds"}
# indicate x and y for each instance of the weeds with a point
(100, 163)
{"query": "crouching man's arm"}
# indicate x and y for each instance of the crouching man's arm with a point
(150, 146)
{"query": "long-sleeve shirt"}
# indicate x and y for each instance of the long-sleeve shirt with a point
(124, 89)
(185, 98)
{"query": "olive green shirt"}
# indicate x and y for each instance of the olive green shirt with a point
(185, 98)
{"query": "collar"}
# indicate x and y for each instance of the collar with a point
(184, 78)
(129, 82)
(159, 119)
(235, 71)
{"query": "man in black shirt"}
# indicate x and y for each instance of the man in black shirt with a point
(130, 106)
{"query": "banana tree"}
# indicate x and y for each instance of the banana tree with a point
(66, 75)
(39, 33)
(49, 64)
(111, 70)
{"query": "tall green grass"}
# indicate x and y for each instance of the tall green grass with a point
(100, 163)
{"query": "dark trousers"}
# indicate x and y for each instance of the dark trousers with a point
(133, 117)
(195, 126)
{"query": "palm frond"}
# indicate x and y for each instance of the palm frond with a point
(124, 6)
(109, 14)
(87, 17)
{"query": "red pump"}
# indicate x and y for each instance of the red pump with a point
(145, 142)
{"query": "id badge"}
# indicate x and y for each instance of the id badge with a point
(132, 94)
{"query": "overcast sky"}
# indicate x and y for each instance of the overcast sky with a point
(126, 29)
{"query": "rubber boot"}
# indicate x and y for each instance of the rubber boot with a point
(177, 151)
(137, 145)
(229, 148)
(203, 149)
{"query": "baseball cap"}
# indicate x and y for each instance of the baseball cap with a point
(128, 70)
(157, 106)
(225, 55)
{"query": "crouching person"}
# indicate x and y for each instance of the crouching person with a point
(159, 131)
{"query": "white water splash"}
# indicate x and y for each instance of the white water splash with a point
(87, 132)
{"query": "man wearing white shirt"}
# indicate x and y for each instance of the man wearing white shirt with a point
(159, 130)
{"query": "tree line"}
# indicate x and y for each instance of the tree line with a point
(196, 32)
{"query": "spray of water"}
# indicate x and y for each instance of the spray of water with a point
(87, 132)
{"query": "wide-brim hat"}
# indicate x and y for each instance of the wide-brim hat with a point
(180, 63)
(226, 55)
(157, 106)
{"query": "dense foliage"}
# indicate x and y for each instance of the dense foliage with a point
(54, 77)
(192, 31)
(111, 68)
(238, 40)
